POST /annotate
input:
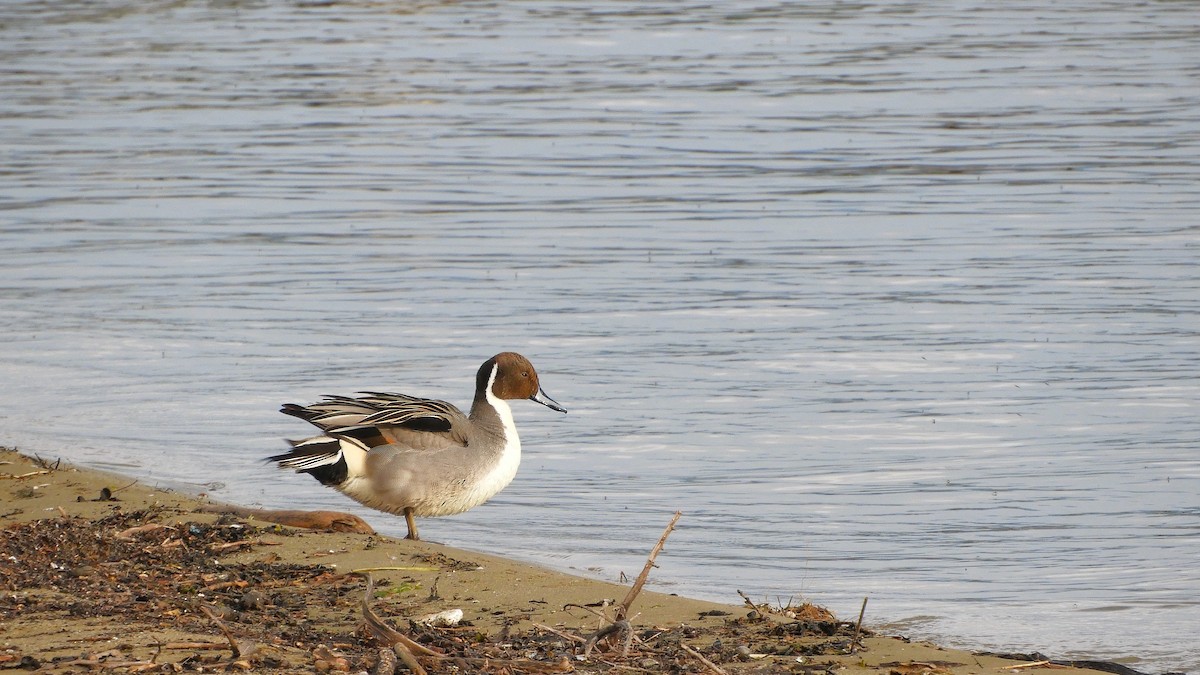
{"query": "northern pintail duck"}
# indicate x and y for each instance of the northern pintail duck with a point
(418, 456)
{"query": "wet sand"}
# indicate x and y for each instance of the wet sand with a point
(100, 572)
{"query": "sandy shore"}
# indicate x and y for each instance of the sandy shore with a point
(100, 572)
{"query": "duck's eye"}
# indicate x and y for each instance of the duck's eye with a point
(524, 373)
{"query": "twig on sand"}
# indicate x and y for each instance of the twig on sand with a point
(591, 608)
(409, 659)
(621, 626)
(191, 645)
(106, 660)
(1031, 664)
(241, 653)
(700, 657)
(364, 570)
(10, 476)
(858, 627)
(129, 534)
(747, 600)
(562, 634)
(212, 616)
(621, 623)
(331, 521)
(400, 643)
(385, 633)
(408, 649)
(623, 608)
(45, 463)
(123, 487)
(230, 546)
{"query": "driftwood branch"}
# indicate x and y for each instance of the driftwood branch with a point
(191, 645)
(408, 650)
(402, 645)
(562, 634)
(1031, 664)
(385, 633)
(330, 521)
(212, 616)
(623, 608)
(700, 657)
(621, 624)
(241, 653)
(9, 476)
(858, 627)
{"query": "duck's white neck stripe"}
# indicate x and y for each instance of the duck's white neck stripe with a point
(510, 458)
(505, 412)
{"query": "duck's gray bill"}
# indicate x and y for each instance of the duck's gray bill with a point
(541, 397)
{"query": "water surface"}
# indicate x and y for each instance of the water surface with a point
(891, 300)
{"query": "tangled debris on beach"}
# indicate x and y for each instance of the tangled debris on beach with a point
(135, 579)
(130, 570)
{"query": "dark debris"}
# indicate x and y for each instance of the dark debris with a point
(135, 570)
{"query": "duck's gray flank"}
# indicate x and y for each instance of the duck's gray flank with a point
(414, 456)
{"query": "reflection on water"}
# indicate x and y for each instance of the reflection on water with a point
(891, 300)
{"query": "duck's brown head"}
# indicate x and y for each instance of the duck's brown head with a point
(513, 377)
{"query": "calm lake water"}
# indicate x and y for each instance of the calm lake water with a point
(894, 299)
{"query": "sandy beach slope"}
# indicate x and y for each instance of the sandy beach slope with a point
(99, 572)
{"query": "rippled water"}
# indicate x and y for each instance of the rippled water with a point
(895, 300)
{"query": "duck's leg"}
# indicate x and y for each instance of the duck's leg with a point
(412, 524)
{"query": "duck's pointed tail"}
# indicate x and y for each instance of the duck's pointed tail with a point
(329, 459)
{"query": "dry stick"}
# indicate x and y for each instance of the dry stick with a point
(364, 570)
(559, 633)
(9, 476)
(127, 535)
(621, 624)
(858, 627)
(620, 666)
(241, 653)
(623, 608)
(45, 463)
(747, 600)
(707, 664)
(405, 647)
(232, 545)
(477, 664)
(124, 488)
(1031, 664)
(94, 663)
(192, 645)
(225, 584)
(628, 642)
(386, 633)
(409, 660)
(592, 610)
(233, 645)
